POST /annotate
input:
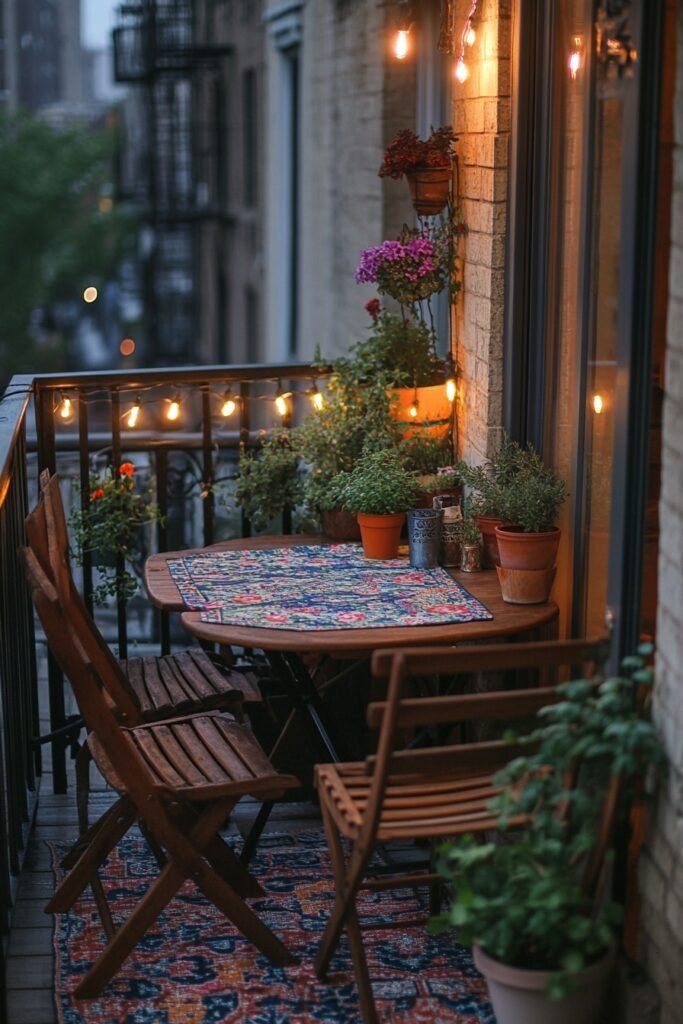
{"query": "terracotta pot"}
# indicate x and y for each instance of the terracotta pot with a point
(487, 527)
(381, 535)
(337, 524)
(525, 586)
(519, 997)
(519, 550)
(429, 189)
(433, 410)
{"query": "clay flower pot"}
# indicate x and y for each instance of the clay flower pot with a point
(525, 586)
(519, 996)
(487, 527)
(337, 524)
(429, 188)
(381, 535)
(519, 550)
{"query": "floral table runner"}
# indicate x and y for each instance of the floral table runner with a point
(318, 588)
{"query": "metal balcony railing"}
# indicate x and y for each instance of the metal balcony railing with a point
(189, 464)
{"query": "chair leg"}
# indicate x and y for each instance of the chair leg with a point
(111, 830)
(255, 832)
(81, 844)
(230, 867)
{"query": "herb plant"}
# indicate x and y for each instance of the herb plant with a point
(379, 485)
(521, 899)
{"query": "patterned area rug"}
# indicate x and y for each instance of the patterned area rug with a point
(194, 968)
(323, 587)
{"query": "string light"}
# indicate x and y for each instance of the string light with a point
(229, 404)
(90, 294)
(317, 398)
(173, 411)
(280, 401)
(598, 404)
(66, 409)
(468, 38)
(133, 414)
(574, 59)
(413, 410)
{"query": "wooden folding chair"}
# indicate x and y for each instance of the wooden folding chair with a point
(181, 778)
(425, 792)
(141, 689)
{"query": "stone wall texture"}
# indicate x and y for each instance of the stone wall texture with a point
(481, 117)
(661, 873)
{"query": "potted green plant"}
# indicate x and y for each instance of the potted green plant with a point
(489, 484)
(269, 481)
(109, 529)
(471, 543)
(530, 539)
(427, 165)
(540, 924)
(380, 491)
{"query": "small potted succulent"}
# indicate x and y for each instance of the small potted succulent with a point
(534, 904)
(380, 491)
(427, 165)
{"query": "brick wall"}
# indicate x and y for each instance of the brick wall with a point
(662, 861)
(481, 117)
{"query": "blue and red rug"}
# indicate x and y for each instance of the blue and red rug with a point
(193, 967)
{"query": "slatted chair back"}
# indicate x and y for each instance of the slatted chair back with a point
(400, 712)
(48, 539)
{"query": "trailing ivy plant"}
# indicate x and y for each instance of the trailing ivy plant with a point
(520, 899)
(269, 481)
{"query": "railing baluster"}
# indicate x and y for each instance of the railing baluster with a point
(84, 466)
(207, 466)
(162, 537)
(245, 421)
(121, 605)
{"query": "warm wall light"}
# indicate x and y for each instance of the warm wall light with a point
(173, 408)
(451, 389)
(401, 44)
(134, 414)
(229, 404)
(90, 294)
(598, 404)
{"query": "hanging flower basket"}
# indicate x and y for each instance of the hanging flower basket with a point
(429, 189)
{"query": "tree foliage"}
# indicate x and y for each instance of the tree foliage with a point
(54, 235)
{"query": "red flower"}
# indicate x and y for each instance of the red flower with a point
(97, 494)
(374, 308)
(126, 469)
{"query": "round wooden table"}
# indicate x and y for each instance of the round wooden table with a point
(284, 647)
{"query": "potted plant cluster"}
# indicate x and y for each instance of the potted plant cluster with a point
(379, 490)
(109, 529)
(542, 929)
(426, 164)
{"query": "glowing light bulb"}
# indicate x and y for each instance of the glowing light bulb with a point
(127, 347)
(90, 294)
(134, 414)
(598, 404)
(574, 63)
(229, 405)
(470, 37)
(174, 408)
(281, 405)
(412, 411)
(401, 44)
(451, 389)
(317, 399)
(461, 71)
(66, 408)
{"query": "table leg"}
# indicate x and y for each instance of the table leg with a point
(305, 699)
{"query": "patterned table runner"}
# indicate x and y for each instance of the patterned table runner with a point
(318, 588)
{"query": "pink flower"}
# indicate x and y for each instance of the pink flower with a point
(373, 308)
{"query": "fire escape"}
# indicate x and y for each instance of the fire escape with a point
(172, 164)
